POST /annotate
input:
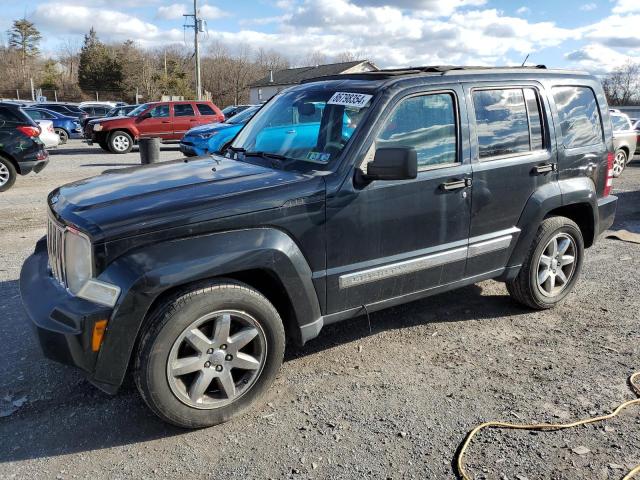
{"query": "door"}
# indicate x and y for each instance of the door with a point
(514, 155)
(184, 119)
(156, 122)
(388, 239)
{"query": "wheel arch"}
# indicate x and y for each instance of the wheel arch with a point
(10, 158)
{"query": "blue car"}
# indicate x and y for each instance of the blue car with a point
(66, 127)
(210, 138)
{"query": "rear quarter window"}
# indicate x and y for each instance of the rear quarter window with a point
(205, 109)
(580, 121)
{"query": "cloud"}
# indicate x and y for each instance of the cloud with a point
(587, 7)
(598, 59)
(626, 6)
(211, 12)
(523, 11)
(171, 12)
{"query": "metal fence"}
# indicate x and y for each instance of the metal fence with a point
(61, 95)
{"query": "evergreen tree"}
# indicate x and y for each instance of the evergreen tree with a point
(99, 69)
(24, 37)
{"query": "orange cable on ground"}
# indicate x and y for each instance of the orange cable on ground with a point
(548, 427)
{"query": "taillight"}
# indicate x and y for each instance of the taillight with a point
(29, 131)
(609, 181)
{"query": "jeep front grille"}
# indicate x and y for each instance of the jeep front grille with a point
(55, 248)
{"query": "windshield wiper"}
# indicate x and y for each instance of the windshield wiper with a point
(268, 156)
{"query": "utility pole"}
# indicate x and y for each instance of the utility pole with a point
(197, 28)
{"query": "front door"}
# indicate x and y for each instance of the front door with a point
(514, 155)
(388, 239)
(157, 124)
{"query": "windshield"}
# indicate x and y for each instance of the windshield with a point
(138, 110)
(304, 124)
(243, 116)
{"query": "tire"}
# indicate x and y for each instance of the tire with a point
(104, 146)
(62, 133)
(167, 342)
(120, 142)
(8, 174)
(525, 288)
(620, 161)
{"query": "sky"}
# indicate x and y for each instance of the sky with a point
(591, 35)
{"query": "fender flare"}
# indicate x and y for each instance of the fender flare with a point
(545, 199)
(146, 273)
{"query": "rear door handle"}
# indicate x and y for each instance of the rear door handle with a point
(455, 185)
(544, 168)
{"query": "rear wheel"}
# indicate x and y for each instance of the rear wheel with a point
(552, 267)
(7, 174)
(120, 142)
(62, 133)
(619, 162)
(209, 353)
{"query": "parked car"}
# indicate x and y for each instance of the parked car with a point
(168, 121)
(65, 127)
(21, 151)
(68, 109)
(96, 111)
(636, 128)
(108, 105)
(120, 111)
(193, 275)
(210, 138)
(232, 110)
(625, 140)
(48, 136)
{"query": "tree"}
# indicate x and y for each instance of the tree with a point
(99, 69)
(25, 38)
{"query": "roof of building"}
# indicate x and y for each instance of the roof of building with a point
(292, 76)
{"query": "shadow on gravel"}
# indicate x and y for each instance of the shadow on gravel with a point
(628, 211)
(81, 150)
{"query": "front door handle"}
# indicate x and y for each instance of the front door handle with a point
(544, 168)
(455, 185)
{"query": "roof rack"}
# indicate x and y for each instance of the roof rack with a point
(432, 69)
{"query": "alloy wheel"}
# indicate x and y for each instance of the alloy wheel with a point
(120, 143)
(217, 359)
(4, 175)
(556, 265)
(619, 163)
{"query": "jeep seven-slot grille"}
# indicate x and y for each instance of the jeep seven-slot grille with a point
(55, 247)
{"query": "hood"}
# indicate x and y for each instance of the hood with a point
(106, 119)
(208, 128)
(137, 200)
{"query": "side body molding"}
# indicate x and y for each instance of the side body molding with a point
(178, 262)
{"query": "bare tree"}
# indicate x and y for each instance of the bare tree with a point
(622, 86)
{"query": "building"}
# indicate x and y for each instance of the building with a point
(278, 80)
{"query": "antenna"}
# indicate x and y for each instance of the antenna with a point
(525, 59)
(197, 28)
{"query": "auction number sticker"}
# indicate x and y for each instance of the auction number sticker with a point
(355, 100)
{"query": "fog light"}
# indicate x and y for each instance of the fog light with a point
(98, 334)
(100, 292)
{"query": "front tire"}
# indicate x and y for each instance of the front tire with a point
(62, 133)
(120, 142)
(619, 162)
(209, 353)
(552, 267)
(8, 174)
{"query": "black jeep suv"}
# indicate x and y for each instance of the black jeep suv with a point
(343, 195)
(21, 151)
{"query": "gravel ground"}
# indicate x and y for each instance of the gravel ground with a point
(391, 403)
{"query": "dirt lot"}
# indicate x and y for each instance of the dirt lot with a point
(391, 403)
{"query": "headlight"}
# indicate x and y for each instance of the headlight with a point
(78, 260)
(97, 127)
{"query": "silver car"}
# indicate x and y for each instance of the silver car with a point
(624, 141)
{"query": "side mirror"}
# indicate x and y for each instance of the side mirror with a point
(398, 163)
(144, 116)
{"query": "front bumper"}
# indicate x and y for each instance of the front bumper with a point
(189, 148)
(606, 212)
(63, 323)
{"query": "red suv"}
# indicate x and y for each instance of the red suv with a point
(166, 120)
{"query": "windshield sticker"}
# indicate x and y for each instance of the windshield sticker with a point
(318, 157)
(355, 100)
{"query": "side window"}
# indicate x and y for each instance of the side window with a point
(160, 111)
(183, 110)
(503, 121)
(205, 109)
(579, 116)
(35, 114)
(619, 123)
(426, 123)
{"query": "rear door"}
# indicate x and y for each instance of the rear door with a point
(184, 118)
(513, 155)
(157, 123)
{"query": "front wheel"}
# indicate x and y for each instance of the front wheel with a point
(209, 353)
(619, 162)
(62, 133)
(120, 142)
(552, 267)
